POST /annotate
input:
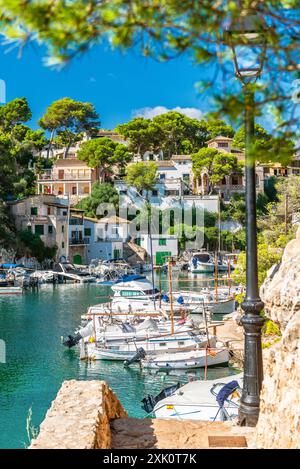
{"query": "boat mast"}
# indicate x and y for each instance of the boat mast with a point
(216, 275)
(229, 272)
(171, 294)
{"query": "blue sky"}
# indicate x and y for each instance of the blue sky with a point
(117, 84)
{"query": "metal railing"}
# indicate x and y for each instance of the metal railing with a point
(77, 241)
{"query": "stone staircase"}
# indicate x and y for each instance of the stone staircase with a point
(132, 433)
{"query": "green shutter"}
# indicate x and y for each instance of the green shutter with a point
(39, 229)
(161, 257)
(162, 242)
(87, 231)
(34, 210)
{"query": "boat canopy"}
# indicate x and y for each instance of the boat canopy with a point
(10, 266)
(130, 278)
(202, 257)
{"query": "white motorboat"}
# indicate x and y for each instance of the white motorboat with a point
(154, 344)
(197, 400)
(198, 358)
(68, 272)
(43, 276)
(135, 293)
(8, 284)
(201, 262)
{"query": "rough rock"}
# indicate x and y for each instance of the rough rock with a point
(279, 421)
(281, 290)
(79, 417)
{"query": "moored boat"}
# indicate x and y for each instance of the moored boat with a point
(197, 400)
(179, 360)
(201, 262)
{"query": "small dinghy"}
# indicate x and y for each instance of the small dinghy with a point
(199, 358)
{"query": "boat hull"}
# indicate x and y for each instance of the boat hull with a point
(196, 359)
(194, 401)
(11, 291)
(202, 268)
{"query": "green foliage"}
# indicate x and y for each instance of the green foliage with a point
(31, 244)
(271, 328)
(104, 193)
(266, 147)
(171, 133)
(236, 209)
(219, 127)
(18, 147)
(166, 29)
(103, 153)
(270, 188)
(7, 235)
(70, 119)
(142, 134)
(215, 164)
(180, 134)
(267, 257)
(142, 176)
(13, 113)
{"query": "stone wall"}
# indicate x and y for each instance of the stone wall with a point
(80, 417)
(279, 420)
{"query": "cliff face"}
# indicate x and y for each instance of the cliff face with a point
(279, 420)
(281, 290)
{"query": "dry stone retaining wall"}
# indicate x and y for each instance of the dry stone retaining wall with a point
(80, 417)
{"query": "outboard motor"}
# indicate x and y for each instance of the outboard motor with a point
(150, 401)
(81, 334)
(140, 354)
(71, 341)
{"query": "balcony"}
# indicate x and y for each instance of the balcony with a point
(78, 242)
(75, 221)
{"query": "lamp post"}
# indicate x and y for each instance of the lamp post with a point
(247, 38)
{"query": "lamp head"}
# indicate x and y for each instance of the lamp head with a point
(246, 36)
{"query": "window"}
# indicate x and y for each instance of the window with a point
(155, 192)
(50, 229)
(162, 176)
(65, 213)
(162, 242)
(62, 244)
(171, 192)
(74, 190)
(87, 231)
(39, 229)
(48, 210)
(186, 176)
(62, 228)
(162, 344)
(86, 190)
(235, 179)
(131, 293)
(34, 210)
(223, 145)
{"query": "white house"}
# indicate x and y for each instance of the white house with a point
(44, 215)
(163, 246)
(106, 237)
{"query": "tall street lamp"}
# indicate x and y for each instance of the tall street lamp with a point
(247, 37)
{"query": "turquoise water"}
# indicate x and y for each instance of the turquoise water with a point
(36, 362)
